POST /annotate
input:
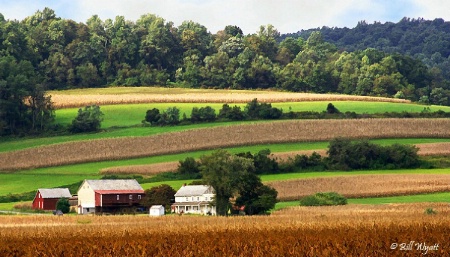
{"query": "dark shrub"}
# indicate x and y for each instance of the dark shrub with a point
(323, 199)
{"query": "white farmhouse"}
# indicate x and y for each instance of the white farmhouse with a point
(195, 199)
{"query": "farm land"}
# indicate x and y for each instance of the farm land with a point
(385, 206)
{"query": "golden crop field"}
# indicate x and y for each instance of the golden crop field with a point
(425, 149)
(366, 230)
(108, 96)
(221, 137)
(357, 186)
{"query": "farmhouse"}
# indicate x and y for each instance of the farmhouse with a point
(46, 199)
(109, 195)
(196, 199)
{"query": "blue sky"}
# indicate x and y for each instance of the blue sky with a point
(285, 15)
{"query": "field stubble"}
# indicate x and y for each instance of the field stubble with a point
(66, 100)
(359, 186)
(351, 230)
(221, 137)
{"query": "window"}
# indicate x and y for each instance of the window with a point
(187, 199)
(87, 209)
(131, 197)
(118, 197)
(139, 197)
(198, 198)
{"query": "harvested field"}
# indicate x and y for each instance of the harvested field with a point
(300, 231)
(152, 169)
(221, 137)
(64, 99)
(358, 186)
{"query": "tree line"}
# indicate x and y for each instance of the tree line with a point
(44, 52)
(255, 110)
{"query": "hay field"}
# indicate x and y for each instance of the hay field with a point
(221, 137)
(425, 149)
(111, 96)
(368, 230)
(359, 186)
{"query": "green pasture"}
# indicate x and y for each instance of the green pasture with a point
(16, 183)
(126, 115)
(420, 198)
(10, 206)
(309, 175)
(435, 197)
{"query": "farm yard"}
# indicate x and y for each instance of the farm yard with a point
(126, 148)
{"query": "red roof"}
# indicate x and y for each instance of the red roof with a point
(113, 192)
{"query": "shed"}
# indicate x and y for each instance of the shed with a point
(46, 198)
(157, 210)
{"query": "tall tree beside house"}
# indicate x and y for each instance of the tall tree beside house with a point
(224, 172)
(234, 176)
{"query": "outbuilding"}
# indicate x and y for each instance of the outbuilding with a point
(109, 196)
(157, 210)
(46, 198)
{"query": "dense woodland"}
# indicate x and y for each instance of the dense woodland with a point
(45, 52)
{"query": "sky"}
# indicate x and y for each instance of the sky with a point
(287, 16)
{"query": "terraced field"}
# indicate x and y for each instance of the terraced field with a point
(28, 164)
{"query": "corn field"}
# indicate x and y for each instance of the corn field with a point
(70, 101)
(366, 230)
(358, 186)
(221, 137)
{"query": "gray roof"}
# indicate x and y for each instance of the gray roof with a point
(194, 190)
(55, 192)
(114, 184)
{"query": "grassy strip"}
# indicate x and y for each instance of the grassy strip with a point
(434, 198)
(132, 114)
(306, 175)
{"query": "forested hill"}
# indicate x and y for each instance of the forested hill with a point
(44, 52)
(426, 40)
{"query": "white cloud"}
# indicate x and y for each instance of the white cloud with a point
(432, 9)
(285, 15)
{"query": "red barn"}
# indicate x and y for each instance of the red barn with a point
(109, 196)
(46, 199)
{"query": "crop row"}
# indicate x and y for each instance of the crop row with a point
(331, 231)
(69, 101)
(221, 137)
(363, 185)
(425, 149)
